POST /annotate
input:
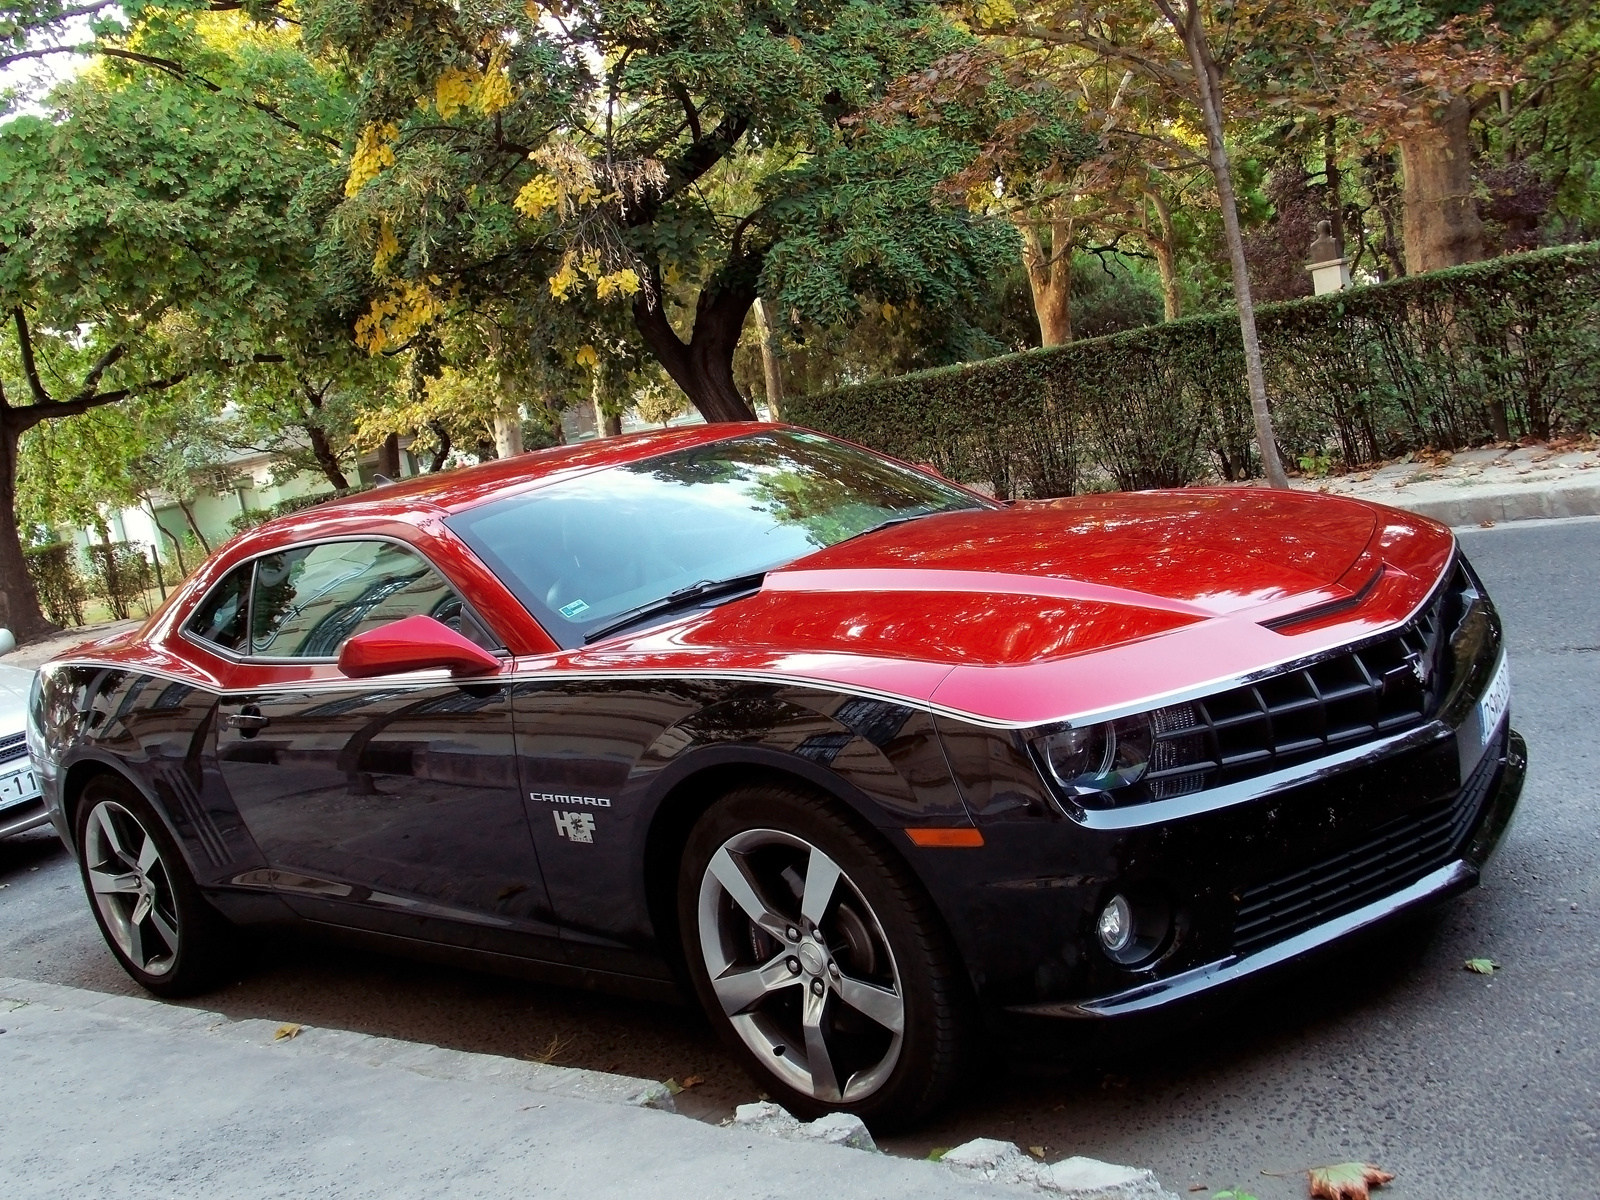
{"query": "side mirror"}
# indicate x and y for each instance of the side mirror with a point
(413, 644)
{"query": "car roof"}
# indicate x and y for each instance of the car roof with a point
(467, 487)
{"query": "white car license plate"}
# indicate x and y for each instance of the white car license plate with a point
(1493, 703)
(18, 786)
(1472, 739)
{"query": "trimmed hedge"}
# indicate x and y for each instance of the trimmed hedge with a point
(1506, 348)
(55, 576)
(119, 574)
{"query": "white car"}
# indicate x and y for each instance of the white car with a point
(21, 805)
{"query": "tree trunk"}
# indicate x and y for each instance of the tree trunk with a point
(770, 371)
(177, 545)
(703, 367)
(1050, 277)
(388, 464)
(1164, 247)
(442, 450)
(507, 433)
(1335, 178)
(19, 599)
(326, 458)
(1441, 224)
(1190, 27)
(194, 526)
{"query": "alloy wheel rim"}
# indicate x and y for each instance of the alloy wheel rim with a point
(132, 887)
(800, 965)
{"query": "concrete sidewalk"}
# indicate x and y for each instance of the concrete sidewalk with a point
(125, 1097)
(1478, 487)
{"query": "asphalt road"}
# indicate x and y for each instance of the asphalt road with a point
(1466, 1086)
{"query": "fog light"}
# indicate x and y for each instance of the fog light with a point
(1134, 926)
(1116, 926)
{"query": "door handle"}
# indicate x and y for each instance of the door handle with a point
(248, 721)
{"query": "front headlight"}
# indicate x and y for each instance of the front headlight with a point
(1095, 758)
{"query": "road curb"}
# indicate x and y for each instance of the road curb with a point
(435, 1062)
(1510, 504)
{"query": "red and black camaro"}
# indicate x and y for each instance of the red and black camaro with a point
(853, 755)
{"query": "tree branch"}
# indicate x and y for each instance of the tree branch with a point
(30, 368)
(178, 71)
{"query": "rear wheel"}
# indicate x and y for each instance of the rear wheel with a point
(820, 959)
(145, 901)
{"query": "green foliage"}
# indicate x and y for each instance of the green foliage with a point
(55, 575)
(1433, 360)
(119, 575)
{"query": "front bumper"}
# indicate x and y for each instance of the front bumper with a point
(21, 817)
(1484, 832)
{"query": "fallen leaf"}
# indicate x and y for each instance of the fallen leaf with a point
(1485, 524)
(1481, 966)
(1036, 1151)
(690, 1081)
(1346, 1181)
(673, 1086)
(1233, 1194)
(939, 1152)
(285, 1032)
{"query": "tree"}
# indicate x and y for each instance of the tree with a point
(636, 155)
(149, 233)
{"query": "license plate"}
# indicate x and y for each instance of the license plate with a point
(1493, 703)
(18, 786)
(1484, 718)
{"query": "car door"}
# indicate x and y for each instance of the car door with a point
(391, 804)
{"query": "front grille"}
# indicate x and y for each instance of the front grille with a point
(1394, 856)
(1384, 687)
(13, 746)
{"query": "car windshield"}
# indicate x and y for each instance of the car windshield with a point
(582, 552)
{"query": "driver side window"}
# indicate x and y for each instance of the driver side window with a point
(307, 601)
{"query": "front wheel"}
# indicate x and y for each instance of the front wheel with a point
(820, 959)
(146, 903)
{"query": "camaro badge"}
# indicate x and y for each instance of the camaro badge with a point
(576, 826)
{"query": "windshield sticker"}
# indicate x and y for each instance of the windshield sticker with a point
(574, 610)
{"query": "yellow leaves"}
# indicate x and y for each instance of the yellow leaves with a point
(588, 356)
(453, 91)
(888, 311)
(538, 196)
(622, 283)
(486, 91)
(409, 306)
(575, 267)
(992, 14)
(566, 279)
(535, 13)
(388, 246)
(493, 92)
(285, 1033)
(374, 151)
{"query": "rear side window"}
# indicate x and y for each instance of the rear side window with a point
(309, 600)
(220, 619)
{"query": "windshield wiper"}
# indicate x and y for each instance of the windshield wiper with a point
(888, 523)
(685, 597)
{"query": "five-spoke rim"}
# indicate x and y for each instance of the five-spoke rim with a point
(800, 965)
(131, 887)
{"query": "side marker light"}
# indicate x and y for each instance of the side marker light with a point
(945, 837)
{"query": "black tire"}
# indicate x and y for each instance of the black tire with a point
(879, 929)
(174, 909)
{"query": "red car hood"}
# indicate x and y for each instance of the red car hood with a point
(1039, 581)
(996, 612)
